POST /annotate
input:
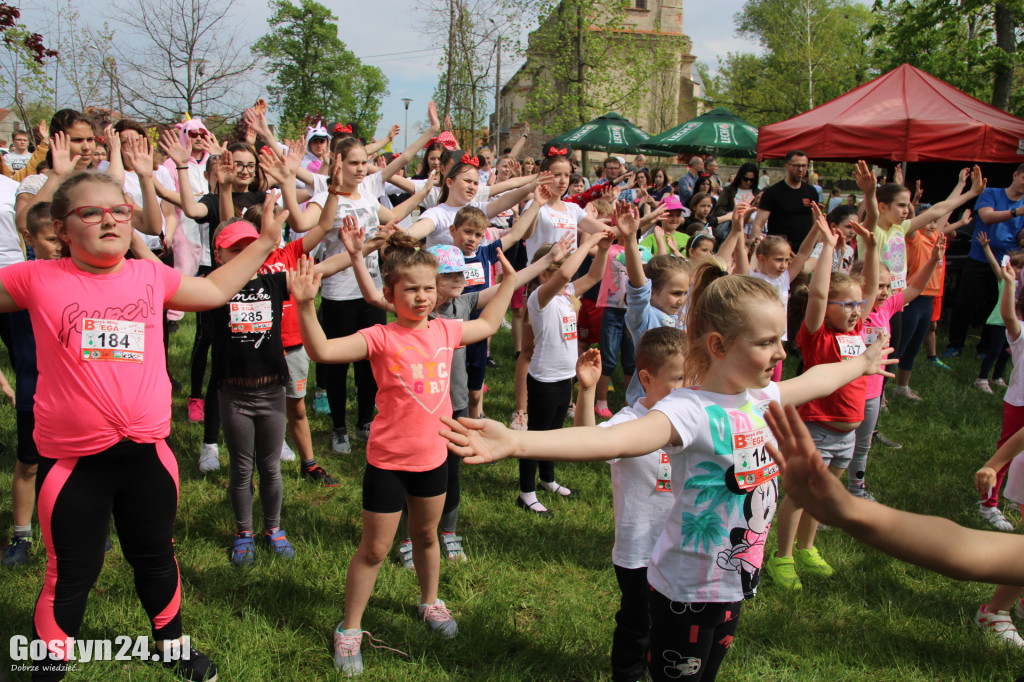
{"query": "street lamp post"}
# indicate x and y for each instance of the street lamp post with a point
(406, 129)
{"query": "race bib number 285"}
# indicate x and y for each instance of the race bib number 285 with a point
(113, 340)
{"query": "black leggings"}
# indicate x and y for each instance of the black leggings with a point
(689, 641)
(546, 405)
(201, 349)
(137, 484)
(341, 318)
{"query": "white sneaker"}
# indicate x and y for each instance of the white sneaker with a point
(995, 518)
(287, 455)
(339, 442)
(982, 385)
(998, 626)
(209, 458)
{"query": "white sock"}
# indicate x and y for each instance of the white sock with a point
(601, 405)
(530, 500)
(555, 487)
(23, 531)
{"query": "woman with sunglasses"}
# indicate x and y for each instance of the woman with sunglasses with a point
(741, 190)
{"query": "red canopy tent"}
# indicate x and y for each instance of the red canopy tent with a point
(904, 115)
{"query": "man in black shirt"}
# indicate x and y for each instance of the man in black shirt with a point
(786, 205)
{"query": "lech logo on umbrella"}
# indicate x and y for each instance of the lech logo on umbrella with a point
(616, 134)
(581, 133)
(682, 132)
(725, 133)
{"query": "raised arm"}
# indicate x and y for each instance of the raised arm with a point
(510, 199)
(524, 226)
(588, 371)
(352, 237)
(116, 167)
(796, 266)
(1007, 303)
(871, 263)
(948, 205)
(986, 246)
(817, 296)
(405, 208)
(140, 155)
(493, 313)
(63, 165)
(521, 142)
(217, 288)
(304, 285)
(374, 147)
(405, 157)
(277, 167)
(729, 244)
(171, 146)
(867, 183)
(624, 217)
(597, 267)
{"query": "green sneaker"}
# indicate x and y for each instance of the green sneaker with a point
(811, 563)
(783, 571)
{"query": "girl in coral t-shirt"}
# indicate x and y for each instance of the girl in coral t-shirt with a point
(411, 360)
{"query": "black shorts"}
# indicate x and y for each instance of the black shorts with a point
(385, 490)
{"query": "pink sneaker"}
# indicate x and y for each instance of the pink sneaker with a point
(196, 413)
(603, 412)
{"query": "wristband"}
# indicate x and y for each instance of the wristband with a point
(182, 167)
(1013, 212)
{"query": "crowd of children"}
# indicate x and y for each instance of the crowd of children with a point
(694, 307)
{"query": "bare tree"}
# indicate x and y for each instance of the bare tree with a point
(190, 63)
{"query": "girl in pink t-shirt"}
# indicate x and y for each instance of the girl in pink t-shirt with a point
(406, 457)
(97, 319)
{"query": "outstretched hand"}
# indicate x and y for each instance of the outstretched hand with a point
(588, 368)
(876, 357)
(804, 475)
(302, 283)
(352, 236)
(479, 441)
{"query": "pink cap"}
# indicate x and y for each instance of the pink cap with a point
(236, 232)
(671, 203)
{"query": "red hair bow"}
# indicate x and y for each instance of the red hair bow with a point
(338, 128)
(471, 160)
(558, 152)
(446, 139)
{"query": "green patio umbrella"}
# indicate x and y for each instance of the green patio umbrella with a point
(717, 132)
(608, 133)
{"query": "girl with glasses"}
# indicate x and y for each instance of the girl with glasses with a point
(831, 332)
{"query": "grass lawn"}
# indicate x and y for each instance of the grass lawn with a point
(537, 598)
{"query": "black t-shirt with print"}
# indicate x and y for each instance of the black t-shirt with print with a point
(247, 334)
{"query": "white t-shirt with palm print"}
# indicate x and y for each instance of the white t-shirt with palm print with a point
(712, 547)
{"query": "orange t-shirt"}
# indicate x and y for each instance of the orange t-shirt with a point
(919, 250)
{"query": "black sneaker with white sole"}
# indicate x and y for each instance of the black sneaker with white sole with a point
(192, 665)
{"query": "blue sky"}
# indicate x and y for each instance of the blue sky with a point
(375, 31)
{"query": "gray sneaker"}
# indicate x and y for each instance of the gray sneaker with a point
(439, 619)
(17, 551)
(363, 432)
(339, 442)
(347, 657)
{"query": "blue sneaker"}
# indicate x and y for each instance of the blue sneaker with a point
(278, 541)
(17, 551)
(950, 353)
(320, 403)
(243, 549)
(935, 362)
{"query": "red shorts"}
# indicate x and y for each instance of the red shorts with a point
(588, 320)
(936, 308)
(519, 297)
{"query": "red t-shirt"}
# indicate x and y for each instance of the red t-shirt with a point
(824, 346)
(282, 260)
(413, 369)
(100, 352)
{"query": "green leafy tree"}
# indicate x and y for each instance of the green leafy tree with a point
(814, 51)
(314, 73)
(971, 44)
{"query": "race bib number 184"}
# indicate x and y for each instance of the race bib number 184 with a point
(113, 340)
